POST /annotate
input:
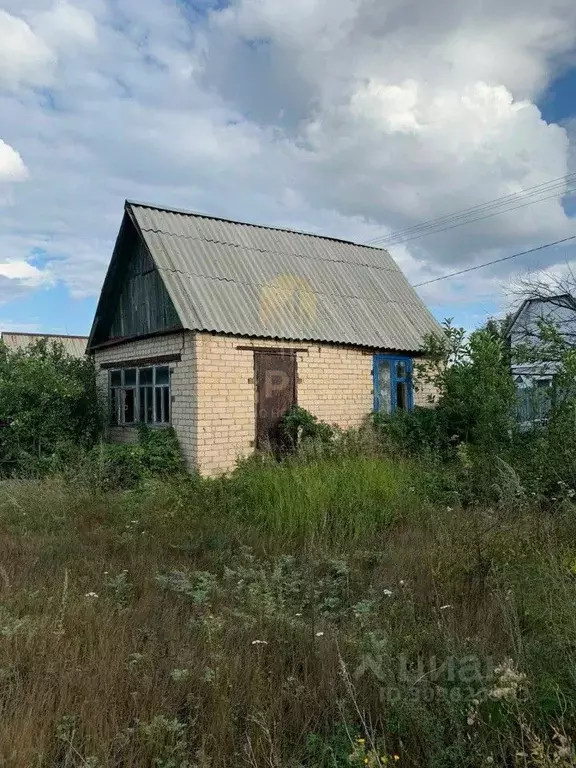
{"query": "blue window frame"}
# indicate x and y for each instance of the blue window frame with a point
(392, 383)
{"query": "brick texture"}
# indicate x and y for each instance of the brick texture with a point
(213, 390)
(334, 383)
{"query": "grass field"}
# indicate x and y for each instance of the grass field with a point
(321, 614)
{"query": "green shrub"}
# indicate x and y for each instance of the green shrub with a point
(299, 426)
(48, 399)
(120, 465)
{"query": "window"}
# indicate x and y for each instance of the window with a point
(392, 384)
(140, 395)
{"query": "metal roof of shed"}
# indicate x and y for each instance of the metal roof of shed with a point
(73, 345)
(229, 277)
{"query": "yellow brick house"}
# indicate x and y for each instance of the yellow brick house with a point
(218, 327)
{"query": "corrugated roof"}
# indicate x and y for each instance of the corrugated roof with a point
(230, 277)
(73, 345)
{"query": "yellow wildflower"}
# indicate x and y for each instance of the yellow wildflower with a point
(359, 740)
(396, 758)
(366, 760)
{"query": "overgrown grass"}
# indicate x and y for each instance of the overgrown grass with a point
(309, 614)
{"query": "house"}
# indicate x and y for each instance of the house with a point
(534, 380)
(218, 327)
(73, 345)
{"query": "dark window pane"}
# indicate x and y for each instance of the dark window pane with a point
(142, 404)
(146, 375)
(400, 369)
(163, 375)
(115, 378)
(149, 405)
(166, 398)
(113, 408)
(158, 403)
(130, 377)
(402, 395)
(129, 406)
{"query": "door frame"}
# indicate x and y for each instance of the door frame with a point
(284, 352)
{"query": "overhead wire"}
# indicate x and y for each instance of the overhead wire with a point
(494, 261)
(558, 186)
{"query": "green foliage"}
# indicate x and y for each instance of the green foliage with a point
(299, 426)
(120, 465)
(48, 400)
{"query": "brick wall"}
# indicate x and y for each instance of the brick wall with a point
(334, 383)
(213, 390)
(425, 394)
(183, 384)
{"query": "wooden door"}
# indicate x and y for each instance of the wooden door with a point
(275, 378)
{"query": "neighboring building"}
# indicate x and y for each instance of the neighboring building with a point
(73, 345)
(534, 380)
(218, 327)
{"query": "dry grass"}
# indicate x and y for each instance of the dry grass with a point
(178, 626)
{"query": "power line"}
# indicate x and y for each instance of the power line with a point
(477, 218)
(496, 261)
(554, 184)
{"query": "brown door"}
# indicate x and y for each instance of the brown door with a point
(275, 394)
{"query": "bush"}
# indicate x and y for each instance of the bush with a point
(299, 426)
(48, 399)
(120, 465)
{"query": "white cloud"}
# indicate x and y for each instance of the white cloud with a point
(12, 166)
(24, 57)
(349, 117)
(22, 270)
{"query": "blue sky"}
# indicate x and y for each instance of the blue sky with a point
(352, 118)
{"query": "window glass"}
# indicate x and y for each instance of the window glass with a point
(166, 404)
(158, 403)
(129, 406)
(162, 375)
(392, 383)
(140, 395)
(384, 386)
(402, 395)
(401, 369)
(130, 377)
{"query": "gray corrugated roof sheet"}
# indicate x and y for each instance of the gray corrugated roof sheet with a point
(248, 280)
(73, 345)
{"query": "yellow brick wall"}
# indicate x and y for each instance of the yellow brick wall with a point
(334, 383)
(425, 394)
(213, 390)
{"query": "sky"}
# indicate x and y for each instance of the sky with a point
(349, 118)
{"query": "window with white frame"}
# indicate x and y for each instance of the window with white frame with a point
(140, 395)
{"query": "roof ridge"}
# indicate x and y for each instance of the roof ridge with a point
(200, 215)
(43, 335)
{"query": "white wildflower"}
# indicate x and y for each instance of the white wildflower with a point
(402, 583)
(91, 594)
(298, 614)
(259, 642)
(319, 634)
(387, 592)
(445, 607)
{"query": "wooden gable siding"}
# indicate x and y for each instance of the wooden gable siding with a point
(142, 305)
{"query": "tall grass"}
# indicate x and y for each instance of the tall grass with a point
(320, 614)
